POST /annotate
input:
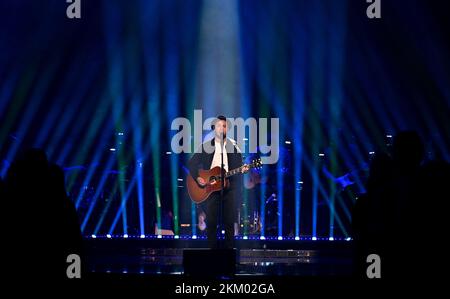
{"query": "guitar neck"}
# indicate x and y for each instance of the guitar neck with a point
(234, 171)
(254, 164)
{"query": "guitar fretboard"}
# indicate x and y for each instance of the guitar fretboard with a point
(233, 172)
(239, 169)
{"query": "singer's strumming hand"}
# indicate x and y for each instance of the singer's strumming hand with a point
(201, 181)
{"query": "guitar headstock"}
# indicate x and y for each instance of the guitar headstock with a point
(256, 163)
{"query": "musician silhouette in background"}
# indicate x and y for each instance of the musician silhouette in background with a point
(232, 158)
(201, 221)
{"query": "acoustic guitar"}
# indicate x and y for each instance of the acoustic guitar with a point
(212, 178)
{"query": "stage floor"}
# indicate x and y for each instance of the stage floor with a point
(255, 258)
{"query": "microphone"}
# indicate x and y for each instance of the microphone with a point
(222, 139)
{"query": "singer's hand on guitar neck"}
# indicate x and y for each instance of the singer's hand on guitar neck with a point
(245, 168)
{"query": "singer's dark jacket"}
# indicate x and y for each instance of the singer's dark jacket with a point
(203, 160)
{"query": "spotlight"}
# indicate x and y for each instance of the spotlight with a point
(287, 142)
(280, 238)
(168, 153)
(331, 239)
(176, 237)
(262, 238)
(142, 236)
(245, 238)
(348, 239)
(108, 236)
(314, 238)
(194, 237)
(223, 232)
(179, 180)
(297, 238)
(159, 236)
(321, 155)
(125, 236)
(371, 153)
(112, 149)
(93, 236)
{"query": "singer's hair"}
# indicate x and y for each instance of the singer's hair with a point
(220, 117)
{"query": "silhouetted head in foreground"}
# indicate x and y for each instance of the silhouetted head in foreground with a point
(408, 150)
(37, 202)
(380, 171)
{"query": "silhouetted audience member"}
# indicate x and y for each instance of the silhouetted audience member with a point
(369, 219)
(431, 217)
(404, 213)
(400, 217)
(2, 187)
(44, 227)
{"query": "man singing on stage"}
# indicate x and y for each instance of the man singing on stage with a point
(232, 158)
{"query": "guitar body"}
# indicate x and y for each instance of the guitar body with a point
(212, 176)
(199, 193)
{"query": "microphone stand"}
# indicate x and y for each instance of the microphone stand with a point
(222, 187)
